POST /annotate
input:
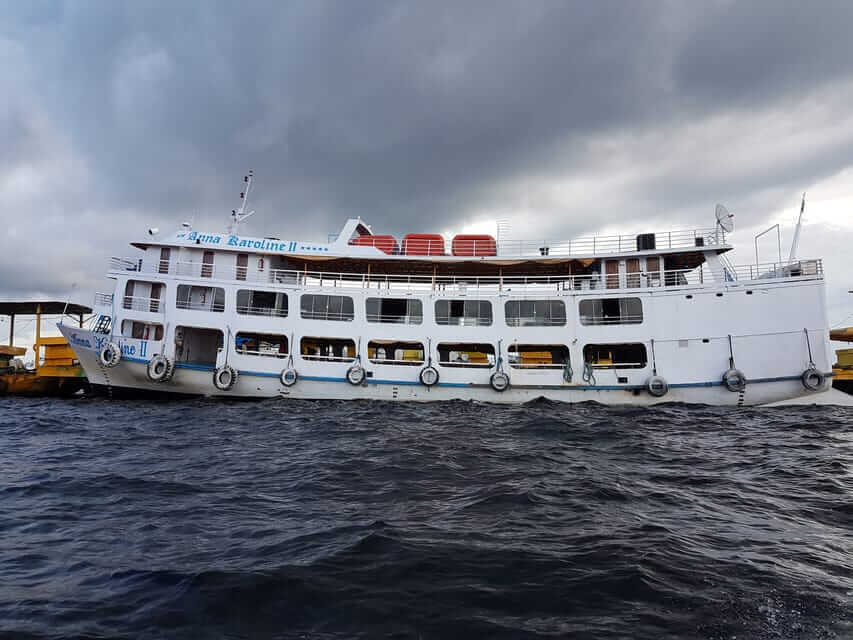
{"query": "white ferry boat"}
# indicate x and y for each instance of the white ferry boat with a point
(639, 319)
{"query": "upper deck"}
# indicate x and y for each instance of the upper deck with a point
(356, 241)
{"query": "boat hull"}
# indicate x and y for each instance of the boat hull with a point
(130, 377)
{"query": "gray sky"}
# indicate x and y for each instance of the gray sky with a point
(566, 118)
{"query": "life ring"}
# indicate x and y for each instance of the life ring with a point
(812, 379)
(499, 381)
(288, 377)
(734, 380)
(355, 375)
(110, 354)
(159, 368)
(224, 378)
(429, 376)
(657, 386)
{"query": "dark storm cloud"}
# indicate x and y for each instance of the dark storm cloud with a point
(414, 115)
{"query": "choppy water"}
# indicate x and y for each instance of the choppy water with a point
(203, 519)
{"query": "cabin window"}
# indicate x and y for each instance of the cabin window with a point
(459, 354)
(538, 356)
(323, 307)
(615, 356)
(261, 344)
(140, 295)
(261, 303)
(611, 311)
(394, 310)
(141, 330)
(207, 265)
(165, 255)
(535, 313)
(395, 352)
(242, 265)
(200, 298)
(471, 313)
(327, 349)
(653, 271)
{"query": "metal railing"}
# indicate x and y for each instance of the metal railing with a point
(136, 303)
(103, 300)
(725, 275)
(262, 311)
(200, 306)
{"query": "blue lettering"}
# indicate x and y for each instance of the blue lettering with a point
(192, 236)
(232, 241)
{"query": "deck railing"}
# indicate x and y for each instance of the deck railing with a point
(103, 299)
(136, 303)
(704, 275)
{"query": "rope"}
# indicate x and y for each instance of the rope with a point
(588, 374)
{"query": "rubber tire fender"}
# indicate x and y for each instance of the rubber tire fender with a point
(734, 380)
(355, 375)
(288, 377)
(230, 378)
(429, 376)
(812, 379)
(159, 368)
(110, 354)
(657, 386)
(499, 381)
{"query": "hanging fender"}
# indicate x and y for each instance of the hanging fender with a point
(224, 378)
(812, 379)
(734, 380)
(288, 377)
(355, 375)
(110, 354)
(657, 386)
(429, 376)
(499, 381)
(159, 368)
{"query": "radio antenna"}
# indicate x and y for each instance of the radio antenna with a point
(238, 215)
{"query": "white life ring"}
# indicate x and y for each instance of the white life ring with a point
(110, 354)
(224, 378)
(657, 386)
(159, 368)
(812, 379)
(429, 376)
(288, 377)
(734, 380)
(355, 375)
(499, 381)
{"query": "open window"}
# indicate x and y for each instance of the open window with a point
(262, 303)
(141, 330)
(535, 313)
(471, 313)
(538, 356)
(324, 307)
(395, 352)
(261, 344)
(327, 349)
(200, 298)
(466, 354)
(611, 311)
(394, 310)
(616, 356)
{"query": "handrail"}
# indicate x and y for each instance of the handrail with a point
(137, 303)
(724, 275)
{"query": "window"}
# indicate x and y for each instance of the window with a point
(615, 356)
(535, 313)
(141, 330)
(140, 295)
(471, 313)
(466, 355)
(207, 265)
(632, 269)
(261, 303)
(538, 356)
(328, 349)
(242, 265)
(653, 271)
(261, 344)
(322, 307)
(611, 271)
(611, 311)
(395, 352)
(394, 310)
(200, 298)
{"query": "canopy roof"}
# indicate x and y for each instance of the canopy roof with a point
(49, 307)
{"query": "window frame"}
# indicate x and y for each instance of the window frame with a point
(313, 314)
(478, 320)
(515, 320)
(623, 318)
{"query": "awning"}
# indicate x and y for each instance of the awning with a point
(48, 307)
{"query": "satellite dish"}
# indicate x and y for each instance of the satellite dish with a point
(725, 219)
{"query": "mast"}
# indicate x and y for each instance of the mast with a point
(793, 255)
(238, 215)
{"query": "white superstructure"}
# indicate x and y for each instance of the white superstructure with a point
(639, 319)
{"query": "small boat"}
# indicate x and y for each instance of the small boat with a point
(56, 370)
